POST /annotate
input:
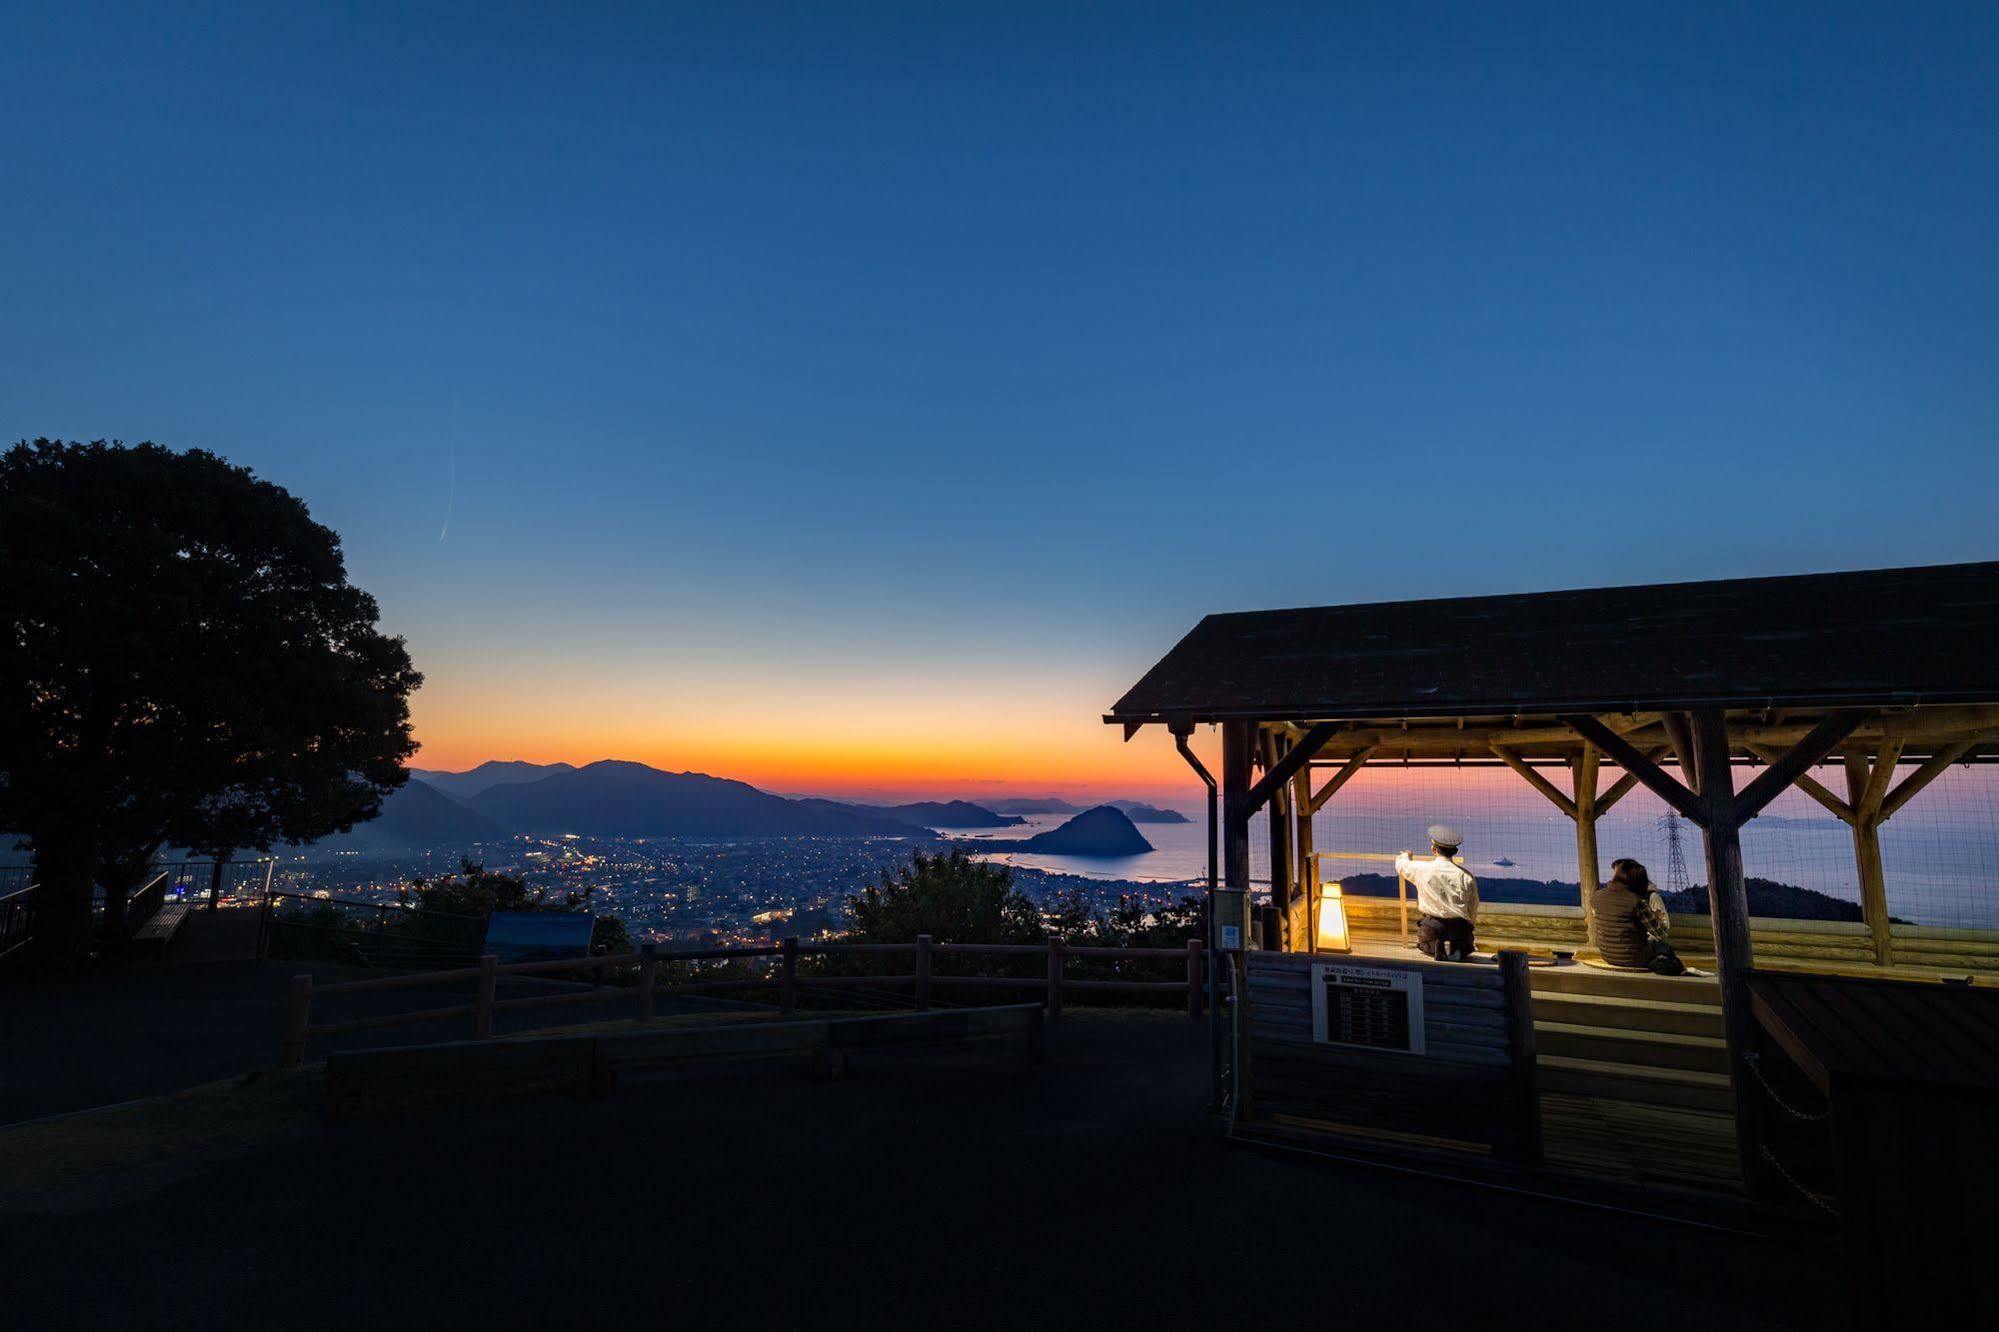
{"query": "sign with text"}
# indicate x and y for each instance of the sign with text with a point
(1376, 1008)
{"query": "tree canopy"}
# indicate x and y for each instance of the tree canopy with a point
(182, 661)
(948, 896)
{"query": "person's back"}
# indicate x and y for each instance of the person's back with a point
(1615, 930)
(1628, 924)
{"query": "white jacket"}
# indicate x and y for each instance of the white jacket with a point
(1443, 888)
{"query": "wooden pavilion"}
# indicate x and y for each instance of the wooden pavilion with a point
(1716, 696)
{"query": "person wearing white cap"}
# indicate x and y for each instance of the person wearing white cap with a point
(1446, 896)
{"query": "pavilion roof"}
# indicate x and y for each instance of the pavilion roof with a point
(1887, 637)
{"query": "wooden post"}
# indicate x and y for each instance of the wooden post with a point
(298, 1019)
(1523, 1141)
(1235, 813)
(1866, 827)
(648, 977)
(482, 1011)
(1306, 861)
(1728, 905)
(923, 971)
(1054, 1001)
(1278, 813)
(1194, 979)
(787, 975)
(1586, 851)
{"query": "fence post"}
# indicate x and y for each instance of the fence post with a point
(482, 1011)
(215, 884)
(1523, 1132)
(923, 971)
(298, 1018)
(1194, 991)
(648, 974)
(1054, 1004)
(787, 976)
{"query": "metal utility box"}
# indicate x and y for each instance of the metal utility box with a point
(1230, 919)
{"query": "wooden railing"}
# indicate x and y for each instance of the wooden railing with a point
(923, 980)
(17, 921)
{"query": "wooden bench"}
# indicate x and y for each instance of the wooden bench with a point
(160, 928)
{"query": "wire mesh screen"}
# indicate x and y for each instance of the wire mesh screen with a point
(1938, 851)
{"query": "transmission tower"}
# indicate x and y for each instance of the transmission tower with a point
(1676, 856)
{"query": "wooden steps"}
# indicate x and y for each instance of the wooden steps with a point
(1628, 1014)
(1644, 1049)
(1582, 979)
(1638, 1143)
(1682, 1087)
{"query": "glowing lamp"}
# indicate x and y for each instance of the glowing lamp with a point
(1332, 933)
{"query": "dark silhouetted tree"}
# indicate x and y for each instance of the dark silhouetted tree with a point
(950, 897)
(182, 662)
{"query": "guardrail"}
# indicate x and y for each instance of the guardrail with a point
(923, 981)
(17, 921)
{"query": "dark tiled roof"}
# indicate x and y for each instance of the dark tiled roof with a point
(1884, 636)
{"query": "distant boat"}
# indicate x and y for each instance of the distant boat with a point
(1503, 863)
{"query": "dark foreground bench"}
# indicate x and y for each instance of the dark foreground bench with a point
(370, 1081)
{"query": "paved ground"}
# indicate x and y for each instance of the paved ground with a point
(967, 1191)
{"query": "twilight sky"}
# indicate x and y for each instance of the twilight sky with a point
(858, 398)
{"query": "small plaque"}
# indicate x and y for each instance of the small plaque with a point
(1372, 1008)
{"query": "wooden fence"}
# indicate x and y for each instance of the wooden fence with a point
(922, 981)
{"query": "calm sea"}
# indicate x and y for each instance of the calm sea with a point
(1941, 852)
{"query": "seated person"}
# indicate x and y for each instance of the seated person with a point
(1628, 923)
(1446, 896)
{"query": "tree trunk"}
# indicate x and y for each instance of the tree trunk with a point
(63, 879)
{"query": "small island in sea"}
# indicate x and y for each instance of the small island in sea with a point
(1103, 831)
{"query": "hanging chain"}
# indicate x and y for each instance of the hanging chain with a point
(1756, 1067)
(1822, 1201)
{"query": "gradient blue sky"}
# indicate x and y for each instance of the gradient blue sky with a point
(849, 396)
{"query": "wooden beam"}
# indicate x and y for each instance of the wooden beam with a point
(1284, 769)
(1820, 741)
(1341, 778)
(1923, 776)
(1626, 784)
(1682, 740)
(1728, 905)
(1809, 784)
(1885, 759)
(1638, 765)
(1536, 780)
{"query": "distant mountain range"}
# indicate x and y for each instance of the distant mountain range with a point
(1135, 810)
(414, 817)
(493, 772)
(615, 798)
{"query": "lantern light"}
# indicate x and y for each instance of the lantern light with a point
(1332, 932)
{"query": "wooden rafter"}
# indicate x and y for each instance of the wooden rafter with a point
(1876, 793)
(1341, 778)
(1820, 741)
(1628, 757)
(1809, 784)
(1287, 767)
(1536, 780)
(1681, 737)
(1926, 774)
(1626, 784)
